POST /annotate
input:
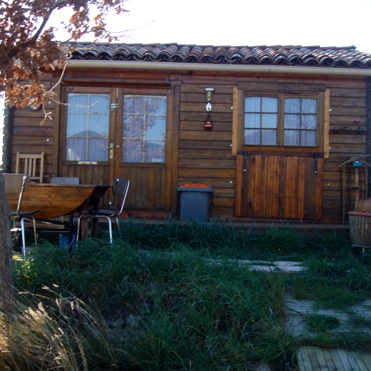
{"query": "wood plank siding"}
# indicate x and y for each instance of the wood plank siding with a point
(205, 156)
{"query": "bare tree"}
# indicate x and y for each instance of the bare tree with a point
(28, 50)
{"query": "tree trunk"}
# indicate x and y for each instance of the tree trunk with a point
(6, 280)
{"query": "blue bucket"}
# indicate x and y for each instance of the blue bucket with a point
(64, 242)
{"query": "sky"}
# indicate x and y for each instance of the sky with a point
(242, 22)
(247, 22)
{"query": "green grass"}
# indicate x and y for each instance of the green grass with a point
(333, 281)
(157, 299)
(321, 323)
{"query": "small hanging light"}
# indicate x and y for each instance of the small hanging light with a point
(208, 125)
(209, 95)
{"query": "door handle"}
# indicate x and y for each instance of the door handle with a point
(316, 156)
(111, 151)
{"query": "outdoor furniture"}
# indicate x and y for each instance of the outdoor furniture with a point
(33, 165)
(360, 231)
(56, 200)
(65, 180)
(120, 188)
(15, 187)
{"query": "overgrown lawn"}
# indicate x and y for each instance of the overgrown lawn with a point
(172, 298)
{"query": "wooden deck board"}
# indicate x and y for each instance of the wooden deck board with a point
(344, 359)
(313, 360)
(322, 360)
(303, 358)
(318, 359)
(364, 361)
(337, 359)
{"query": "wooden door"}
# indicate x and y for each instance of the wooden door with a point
(144, 155)
(110, 145)
(279, 186)
(86, 135)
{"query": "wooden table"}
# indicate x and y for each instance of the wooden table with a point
(56, 200)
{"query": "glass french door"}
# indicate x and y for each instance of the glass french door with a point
(113, 132)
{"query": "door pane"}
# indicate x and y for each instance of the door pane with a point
(309, 105)
(98, 149)
(87, 127)
(252, 104)
(76, 149)
(292, 105)
(309, 122)
(156, 127)
(252, 120)
(269, 104)
(153, 151)
(269, 120)
(144, 128)
(133, 150)
(134, 126)
(292, 121)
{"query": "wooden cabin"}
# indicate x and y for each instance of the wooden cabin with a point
(278, 133)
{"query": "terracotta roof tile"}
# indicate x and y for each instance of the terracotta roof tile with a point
(272, 55)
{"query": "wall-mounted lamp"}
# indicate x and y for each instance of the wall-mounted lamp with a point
(208, 124)
(209, 94)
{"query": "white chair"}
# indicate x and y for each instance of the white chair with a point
(18, 183)
(120, 188)
(33, 166)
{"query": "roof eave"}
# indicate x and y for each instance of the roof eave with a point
(207, 67)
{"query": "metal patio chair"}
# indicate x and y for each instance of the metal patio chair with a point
(120, 188)
(18, 183)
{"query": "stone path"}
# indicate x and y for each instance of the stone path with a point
(279, 266)
(312, 358)
(315, 358)
(260, 265)
(297, 309)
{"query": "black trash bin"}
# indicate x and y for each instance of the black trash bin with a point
(195, 199)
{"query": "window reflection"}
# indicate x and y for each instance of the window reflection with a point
(144, 129)
(300, 122)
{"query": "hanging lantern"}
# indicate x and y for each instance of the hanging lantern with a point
(208, 125)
